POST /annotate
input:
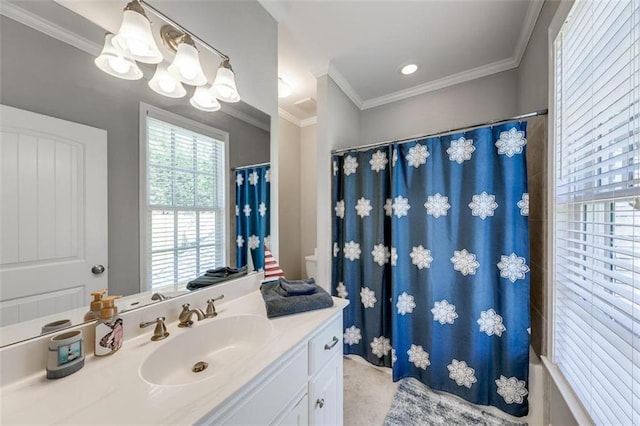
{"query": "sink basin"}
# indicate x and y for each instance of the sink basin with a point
(219, 343)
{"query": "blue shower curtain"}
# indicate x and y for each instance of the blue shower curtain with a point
(457, 272)
(253, 192)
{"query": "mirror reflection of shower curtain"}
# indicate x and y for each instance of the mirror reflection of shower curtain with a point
(253, 192)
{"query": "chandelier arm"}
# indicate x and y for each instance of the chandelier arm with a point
(184, 30)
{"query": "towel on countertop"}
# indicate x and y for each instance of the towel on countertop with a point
(216, 276)
(298, 287)
(278, 303)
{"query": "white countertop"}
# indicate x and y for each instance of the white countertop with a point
(110, 390)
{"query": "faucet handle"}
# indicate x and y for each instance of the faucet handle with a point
(160, 332)
(211, 308)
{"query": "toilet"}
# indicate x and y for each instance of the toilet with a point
(311, 262)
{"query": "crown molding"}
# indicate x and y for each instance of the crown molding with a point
(342, 82)
(441, 83)
(309, 121)
(531, 17)
(289, 117)
(49, 28)
(529, 24)
(229, 110)
(295, 120)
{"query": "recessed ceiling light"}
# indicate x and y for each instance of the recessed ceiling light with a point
(409, 69)
(284, 89)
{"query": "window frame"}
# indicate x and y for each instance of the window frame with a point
(147, 110)
(577, 409)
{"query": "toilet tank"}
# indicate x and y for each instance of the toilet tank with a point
(311, 263)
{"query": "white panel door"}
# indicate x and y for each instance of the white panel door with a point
(53, 214)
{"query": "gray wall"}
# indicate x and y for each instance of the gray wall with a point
(246, 32)
(533, 72)
(476, 101)
(338, 127)
(46, 76)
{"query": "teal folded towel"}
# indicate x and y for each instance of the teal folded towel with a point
(279, 304)
(298, 287)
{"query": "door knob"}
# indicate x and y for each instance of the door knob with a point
(97, 269)
(320, 402)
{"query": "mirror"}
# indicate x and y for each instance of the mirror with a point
(44, 75)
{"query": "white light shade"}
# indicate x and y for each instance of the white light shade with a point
(203, 100)
(164, 83)
(186, 66)
(135, 35)
(116, 62)
(224, 86)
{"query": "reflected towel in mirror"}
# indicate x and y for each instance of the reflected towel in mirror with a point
(215, 276)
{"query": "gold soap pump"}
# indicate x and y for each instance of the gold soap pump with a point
(96, 305)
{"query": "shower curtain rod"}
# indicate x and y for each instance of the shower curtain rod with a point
(442, 133)
(250, 166)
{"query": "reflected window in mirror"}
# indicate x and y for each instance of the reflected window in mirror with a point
(183, 199)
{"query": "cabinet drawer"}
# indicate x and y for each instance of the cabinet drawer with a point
(325, 344)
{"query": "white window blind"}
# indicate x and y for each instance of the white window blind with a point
(596, 337)
(185, 203)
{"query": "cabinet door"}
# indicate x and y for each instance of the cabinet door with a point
(325, 394)
(299, 414)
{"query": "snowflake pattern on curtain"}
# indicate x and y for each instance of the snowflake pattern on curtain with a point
(431, 245)
(253, 192)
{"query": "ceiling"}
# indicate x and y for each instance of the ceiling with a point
(363, 44)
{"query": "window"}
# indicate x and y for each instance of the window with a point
(184, 204)
(596, 330)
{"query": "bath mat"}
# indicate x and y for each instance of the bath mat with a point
(414, 404)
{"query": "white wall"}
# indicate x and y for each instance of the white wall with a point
(338, 127)
(488, 98)
(289, 200)
(308, 191)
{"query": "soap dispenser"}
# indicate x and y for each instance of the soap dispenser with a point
(109, 331)
(96, 305)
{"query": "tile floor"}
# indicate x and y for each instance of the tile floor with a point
(368, 393)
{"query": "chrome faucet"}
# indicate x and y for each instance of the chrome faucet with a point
(160, 332)
(187, 313)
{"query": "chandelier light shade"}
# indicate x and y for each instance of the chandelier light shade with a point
(186, 65)
(224, 86)
(165, 83)
(203, 100)
(134, 41)
(116, 62)
(135, 35)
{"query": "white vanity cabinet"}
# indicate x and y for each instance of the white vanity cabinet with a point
(325, 369)
(304, 387)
